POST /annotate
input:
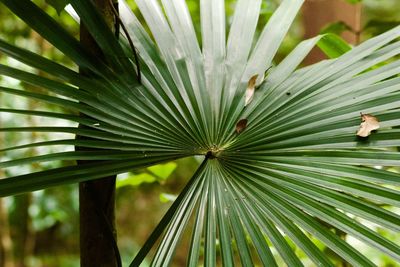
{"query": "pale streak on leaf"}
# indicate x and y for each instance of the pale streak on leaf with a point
(251, 86)
(368, 123)
(241, 125)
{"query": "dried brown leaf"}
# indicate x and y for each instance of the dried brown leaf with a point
(368, 123)
(251, 86)
(241, 125)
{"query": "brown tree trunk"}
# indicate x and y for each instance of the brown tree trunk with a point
(5, 239)
(20, 229)
(2, 243)
(97, 198)
(96, 244)
(319, 13)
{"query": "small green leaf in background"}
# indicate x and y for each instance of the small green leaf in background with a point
(58, 5)
(354, 1)
(156, 173)
(165, 197)
(376, 27)
(333, 45)
(163, 171)
(135, 180)
(336, 28)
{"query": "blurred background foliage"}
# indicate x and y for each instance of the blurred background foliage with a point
(41, 228)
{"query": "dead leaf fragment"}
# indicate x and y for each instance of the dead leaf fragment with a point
(368, 123)
(251, 86)
(241, 125)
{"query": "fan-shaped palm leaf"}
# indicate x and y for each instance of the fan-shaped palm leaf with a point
(295, 170)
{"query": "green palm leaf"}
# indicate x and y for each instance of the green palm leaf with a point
(294, 174)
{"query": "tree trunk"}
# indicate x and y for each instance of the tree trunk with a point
(319, 13)
(96, 244)
(5, 239)
(20, 229)
(97, 198)
(2, 245)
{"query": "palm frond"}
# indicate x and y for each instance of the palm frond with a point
(294, 174)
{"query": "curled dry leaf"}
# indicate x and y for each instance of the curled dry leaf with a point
(241, 125)
(251, 86)
(368, 123)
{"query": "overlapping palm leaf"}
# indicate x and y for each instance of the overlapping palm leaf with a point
(294, 172)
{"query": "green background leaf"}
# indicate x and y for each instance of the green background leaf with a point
(58, 5)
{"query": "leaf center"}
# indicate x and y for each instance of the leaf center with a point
(213, 153)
